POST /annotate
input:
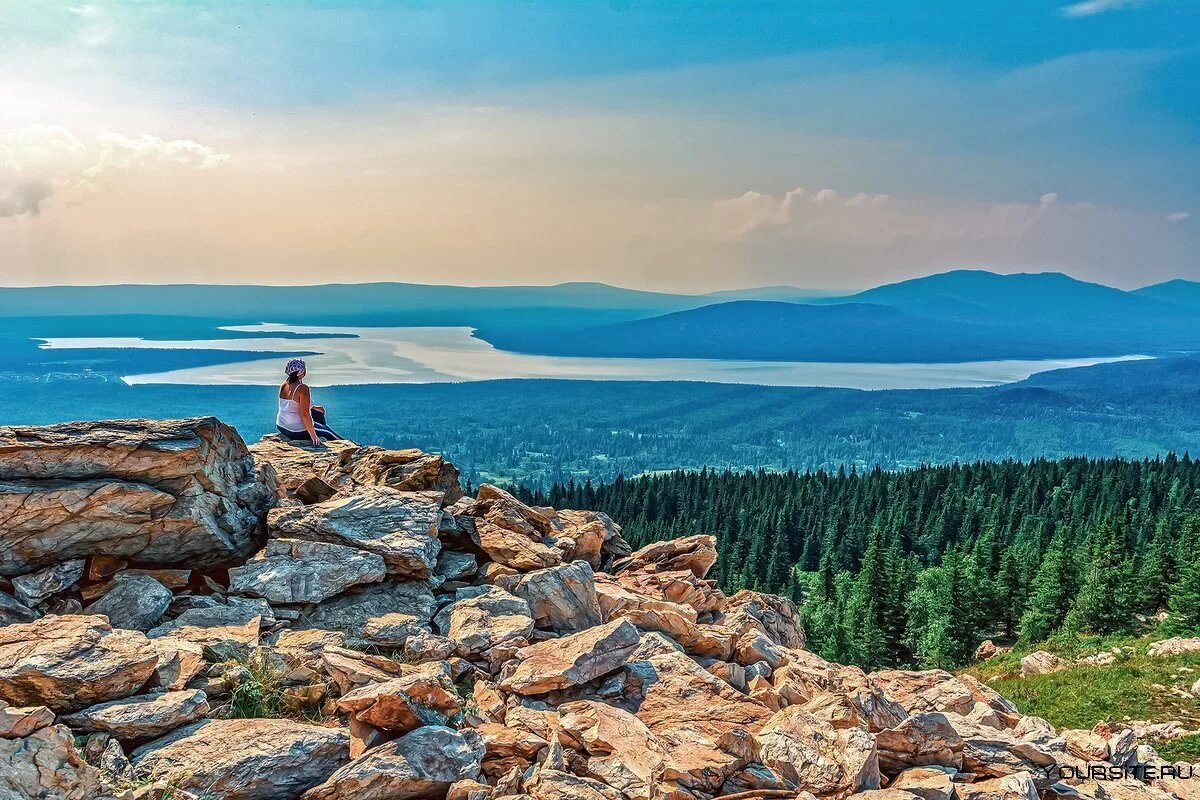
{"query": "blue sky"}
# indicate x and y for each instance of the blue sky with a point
(657, 144)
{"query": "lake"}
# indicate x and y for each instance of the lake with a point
(447, 355)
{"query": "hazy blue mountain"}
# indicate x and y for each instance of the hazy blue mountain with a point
(1023, 297)
(1178, 291)
(954, 316)
(775, 331)
(784, 294)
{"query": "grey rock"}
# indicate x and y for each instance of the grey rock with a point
(401, 527)
(39, 586)
(245, 759)
(299, 571)
(350, 612)
(141, 717)
(418, 765)
(136, 602)
(562, 598)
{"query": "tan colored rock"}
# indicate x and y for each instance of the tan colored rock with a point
(402, 704)
(696, 554)
(989, 649)
(1086, 745)
(161, 492)
(142, 717)
(351, 669)
(400, 527)
(68, 663)
(549, 784)
(561, 598)
(681, 587)
(1042, 663)
(849, 699)
(927, 739)
(572, 660)
(776, 617)
(681, 702)
(929, 690)
(312, 475)
(614, 599)
(483, 618)
(244, 759)
(624, 753)
(1020, 786)
(391, 630)
(705, 641)
(418, 765)
(597, 538)
(46, 766)
(811, 755)
(1176, 646)
(178, 662)
(227, 632)
(928, 783)
(17, 723)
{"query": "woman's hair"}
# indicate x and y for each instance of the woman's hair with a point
(293, 377)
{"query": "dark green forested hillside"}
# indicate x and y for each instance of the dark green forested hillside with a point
(918, 566)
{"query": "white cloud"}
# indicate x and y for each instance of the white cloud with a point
(1178, 216)
(1089, 8)
(40, 161)
(879, 219)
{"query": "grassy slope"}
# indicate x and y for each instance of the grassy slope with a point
(1128, 689)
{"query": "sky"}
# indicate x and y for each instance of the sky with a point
(680, 146)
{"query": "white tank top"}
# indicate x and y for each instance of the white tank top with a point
(288, 416)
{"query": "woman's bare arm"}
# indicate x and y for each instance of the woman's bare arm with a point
(304, 400)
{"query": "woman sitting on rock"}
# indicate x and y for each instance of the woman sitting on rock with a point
(298, 419)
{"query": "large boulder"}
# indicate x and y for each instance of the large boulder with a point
(561, 598)
(299, 571)
(160, 492)
(418, 765)
(697, 554)
(244, 759)
(135, 602)
(142, 717)
(69, 663)
(400, 527)
(403, 704)
(482, 618)
(352, 611)
(507, 531)
(572, 660)
(775, 617)
(46, 766)
(311, 474)
(1040, 662)
(812, 755)
(683, 703)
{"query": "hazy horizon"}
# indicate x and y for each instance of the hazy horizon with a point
(666, 147)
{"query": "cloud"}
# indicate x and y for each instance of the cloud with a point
(1178, 216)
(122, 152)
(38, 162)
(879, 219)
(24, 198)
(1090, 8)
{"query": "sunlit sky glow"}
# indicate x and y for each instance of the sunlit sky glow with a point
(665, 145)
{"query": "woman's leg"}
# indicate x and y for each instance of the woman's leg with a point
(292, 436)
(322, 428)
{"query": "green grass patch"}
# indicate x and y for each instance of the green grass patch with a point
(266, 693)
(1134, 687)
(1186, 748)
